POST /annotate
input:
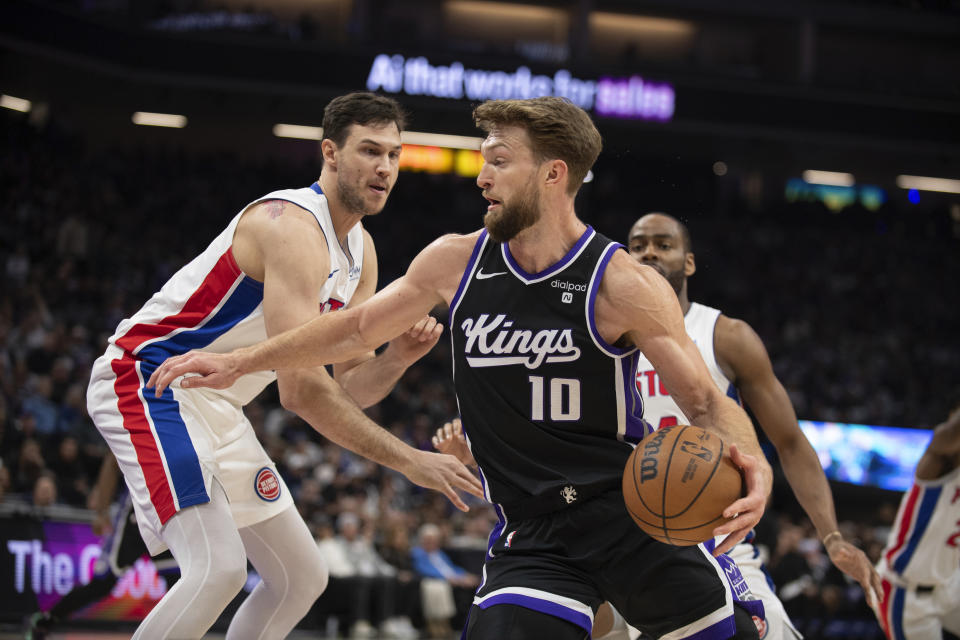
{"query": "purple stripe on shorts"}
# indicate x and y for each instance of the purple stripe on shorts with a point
(543, 606)
(722, 630)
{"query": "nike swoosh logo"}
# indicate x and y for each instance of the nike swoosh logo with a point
(483, 276)
(331, 273)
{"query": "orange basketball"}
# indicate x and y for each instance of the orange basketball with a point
(677, 483)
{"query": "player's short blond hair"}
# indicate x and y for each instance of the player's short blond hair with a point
(558, 129)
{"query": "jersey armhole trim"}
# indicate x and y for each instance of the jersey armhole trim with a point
(592, 289)
(468, 274)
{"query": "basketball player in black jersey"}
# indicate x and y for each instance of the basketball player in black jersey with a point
(547, 317)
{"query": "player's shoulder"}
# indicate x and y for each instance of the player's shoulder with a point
(627, 277)
(453, 245)
(277, 215)
(733, 330)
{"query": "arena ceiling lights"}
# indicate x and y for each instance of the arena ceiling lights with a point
(419, 138)
(149, 119)
(299, 131)
(830, 178)
(923, 183)
(15, 104)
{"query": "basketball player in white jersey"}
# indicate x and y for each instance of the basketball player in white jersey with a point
(579, 307)
(740, 367)
(920, 567)
(201, 483)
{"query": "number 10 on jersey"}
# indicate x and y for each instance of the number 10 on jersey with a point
(563, 401)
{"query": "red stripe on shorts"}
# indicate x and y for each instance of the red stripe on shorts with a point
(127, 388)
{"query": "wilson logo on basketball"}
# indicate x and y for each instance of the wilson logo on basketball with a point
(651, 448)
(267, 484)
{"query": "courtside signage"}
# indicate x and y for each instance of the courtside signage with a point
(613, 97)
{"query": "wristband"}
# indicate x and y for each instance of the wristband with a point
(835, 532)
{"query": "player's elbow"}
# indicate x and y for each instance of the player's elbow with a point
(293, 389)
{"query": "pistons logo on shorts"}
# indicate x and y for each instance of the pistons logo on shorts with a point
(267, 484)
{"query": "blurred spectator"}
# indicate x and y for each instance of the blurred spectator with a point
(45, 491)
(372, 582)
(69, 472)
(28, 467)
(439, 576)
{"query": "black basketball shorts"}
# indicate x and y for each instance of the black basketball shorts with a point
(567, 562)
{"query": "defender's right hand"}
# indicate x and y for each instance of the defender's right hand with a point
(443, 473)
(213, 370)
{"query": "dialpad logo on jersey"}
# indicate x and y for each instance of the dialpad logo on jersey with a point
(566, 285)
(267, 485)
(492, 343)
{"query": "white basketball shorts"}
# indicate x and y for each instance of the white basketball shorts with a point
(171, 448)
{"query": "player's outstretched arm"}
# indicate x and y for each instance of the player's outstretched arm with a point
(369, 378)
(637, 303)
(432, 278)
(741, 354)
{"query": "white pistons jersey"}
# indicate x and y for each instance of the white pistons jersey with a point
(924, 544)
(211, 305)
(659, 408)
(171, 448)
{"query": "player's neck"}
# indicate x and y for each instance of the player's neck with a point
(343, 222)
(548, 241)
(343, 219)
(684, 299)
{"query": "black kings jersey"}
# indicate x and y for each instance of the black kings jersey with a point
(549, 409)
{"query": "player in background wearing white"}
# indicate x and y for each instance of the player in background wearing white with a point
(202, 484)
(741, 368)
(920, 567)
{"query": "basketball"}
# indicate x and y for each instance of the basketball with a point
(677, 483)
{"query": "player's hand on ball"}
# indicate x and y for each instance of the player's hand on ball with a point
(747, 511)
(213, 370)
(450, 439)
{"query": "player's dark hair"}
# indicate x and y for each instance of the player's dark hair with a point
(363, 108)
(558, 129)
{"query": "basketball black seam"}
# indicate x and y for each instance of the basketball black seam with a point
(702, 488)
(666, 478)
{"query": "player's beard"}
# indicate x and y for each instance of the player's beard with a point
(351, 197)
(676, 280)
(511, 219)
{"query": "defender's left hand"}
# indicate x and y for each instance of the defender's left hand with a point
(417, 341)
